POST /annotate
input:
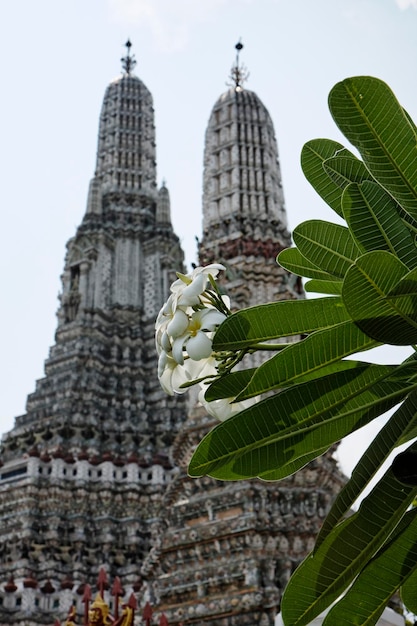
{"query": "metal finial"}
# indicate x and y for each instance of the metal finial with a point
(238, 74)
(128, 62)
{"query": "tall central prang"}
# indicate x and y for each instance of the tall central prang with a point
(84, 467)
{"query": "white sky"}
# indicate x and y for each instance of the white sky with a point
(56, 60)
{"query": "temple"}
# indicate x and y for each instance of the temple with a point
(93, 476)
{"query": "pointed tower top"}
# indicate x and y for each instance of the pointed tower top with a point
(238, 74)
(128, 62)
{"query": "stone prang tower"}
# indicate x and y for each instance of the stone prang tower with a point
(84, 468)
(244, 217)
(228, 548)
(93, 476)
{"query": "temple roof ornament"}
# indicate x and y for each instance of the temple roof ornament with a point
(239, 73)
(128, 62)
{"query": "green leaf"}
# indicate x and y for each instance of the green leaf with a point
(391, 435)
(408, 593)
(276, 320)
(324, 575)
(313, 155)
(345, 169)
(355, 413)
(366, 287)
(380, 578)
(229, 385)
(329, 246)
(321, 348)
(372, 216)
(407, 286)
(292, 260)
(370, 116)
(293, 466)
(232, 384)
(276, 431)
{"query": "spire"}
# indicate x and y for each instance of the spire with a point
(244, 215)
(238, 74)
(163, 207)
(128, 62)
(126, 154)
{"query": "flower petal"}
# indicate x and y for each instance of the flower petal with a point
(199, 347)
(177, 349)
(209, 318)
(178, 325)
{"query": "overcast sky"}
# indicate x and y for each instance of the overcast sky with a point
(57, 57)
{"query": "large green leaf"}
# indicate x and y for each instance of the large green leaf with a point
(345, 168)
(366, 288)
(276, 320)
(329, 246)
(408, 592)
(392, 434)
(229, 385)
(370, 116)
(373, 219)
(313, 155)
(282, 428)
(407, 286)
(292, 466)
(324, 432)
(324, 575)
(305, 357)
(379, 580)
(292, 260)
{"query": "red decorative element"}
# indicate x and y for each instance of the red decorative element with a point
(162, 459)
(243, 246)
(107, 456)
(48, 587)
(10, 587)
(57, 622)
(119, 462)
(69, 458)
(86, 601)
(34, 452)
(147, 614)
(133, 458)
(81, 589)
(67, 583)
(117, 591)
(132, 603)
(30, 582)
(45, 458)
(83, 455)
(102, 583)
(163, 620)
(95, 460)
(58, 453)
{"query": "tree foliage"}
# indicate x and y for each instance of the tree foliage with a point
(366, 273)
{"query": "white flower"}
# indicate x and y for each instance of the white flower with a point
(188, 289)
(184, 329)
(225, 407)
(195, 340)
(172, 375)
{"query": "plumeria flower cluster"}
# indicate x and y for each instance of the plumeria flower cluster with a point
(184, 332)
(185, 326)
